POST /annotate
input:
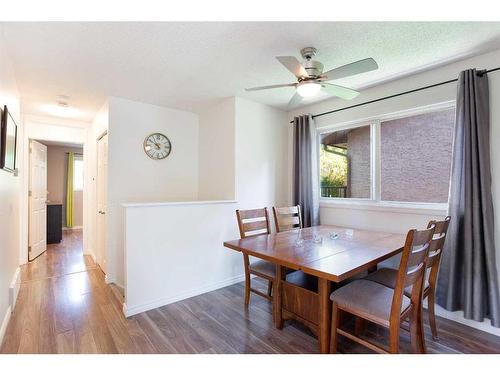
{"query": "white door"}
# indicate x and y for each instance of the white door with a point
(102, 196)
(37, 237)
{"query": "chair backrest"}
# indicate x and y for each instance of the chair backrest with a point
(287, 218)
(411, 269)
(253, 222)
(436, 248)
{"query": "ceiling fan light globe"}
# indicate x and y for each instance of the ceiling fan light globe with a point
(308, 89)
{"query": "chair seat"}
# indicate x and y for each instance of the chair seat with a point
(263, 267)
(368, 299)
(388, 277)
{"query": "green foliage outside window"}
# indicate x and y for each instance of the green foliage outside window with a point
(333, 167)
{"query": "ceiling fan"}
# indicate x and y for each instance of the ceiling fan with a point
(311, 79)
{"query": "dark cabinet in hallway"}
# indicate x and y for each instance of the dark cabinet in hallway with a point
(54, 223)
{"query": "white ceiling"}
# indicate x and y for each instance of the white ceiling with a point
(189, 65)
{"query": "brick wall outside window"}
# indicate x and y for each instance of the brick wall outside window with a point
(415, 157)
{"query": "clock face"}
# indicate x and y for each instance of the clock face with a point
(157, 146)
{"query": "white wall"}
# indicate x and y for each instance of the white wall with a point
(48, 128)
(393, 219)
(134, 177)
(217, 152)
(9, 193)
(261, 154)
(174, 251)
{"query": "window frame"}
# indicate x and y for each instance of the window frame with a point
(375, 202)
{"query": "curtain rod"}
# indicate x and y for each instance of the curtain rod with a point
(480, 72)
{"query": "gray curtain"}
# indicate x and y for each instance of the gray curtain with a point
(305, 182)
(468, 278)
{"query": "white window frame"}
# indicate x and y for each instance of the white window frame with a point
(375, 202)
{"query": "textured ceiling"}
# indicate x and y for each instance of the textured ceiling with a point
(189, 65)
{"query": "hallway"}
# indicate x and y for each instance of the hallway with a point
(60, 259)
(57, 310)
(65, 306)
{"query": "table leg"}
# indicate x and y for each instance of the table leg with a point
(278, 317)
(372, 269)
(325, 315)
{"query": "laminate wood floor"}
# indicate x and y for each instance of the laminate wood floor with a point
(65, 306)
(59, 259)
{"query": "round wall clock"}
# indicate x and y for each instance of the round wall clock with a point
(157, 146)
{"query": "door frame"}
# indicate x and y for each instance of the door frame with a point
(37, 128)
(108, 277)
(24, 251)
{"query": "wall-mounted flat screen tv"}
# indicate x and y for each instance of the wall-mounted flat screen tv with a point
(8, 138)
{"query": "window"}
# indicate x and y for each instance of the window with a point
(345, 158)
(405, 158)
(78, 174)
(415, 157)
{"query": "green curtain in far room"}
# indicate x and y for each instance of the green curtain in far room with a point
(69, 191)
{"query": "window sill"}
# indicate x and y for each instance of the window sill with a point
(398, 207)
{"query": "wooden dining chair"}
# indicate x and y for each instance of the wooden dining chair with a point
(385, 306)
(388, 276)
(287, 218)
(254, 223)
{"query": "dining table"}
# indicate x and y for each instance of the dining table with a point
(333, 254)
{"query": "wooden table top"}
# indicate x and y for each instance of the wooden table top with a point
(317, 251)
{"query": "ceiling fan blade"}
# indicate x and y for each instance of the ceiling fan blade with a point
(351, 69)
(340, 91)
(271, 87)
(293, 65)
(296, 99)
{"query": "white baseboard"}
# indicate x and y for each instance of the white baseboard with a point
(458, 316)
(108, 279)
(5, 323)
(133, 310)
(91, 253)
(15, 284)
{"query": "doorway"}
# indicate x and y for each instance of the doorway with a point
(102, 188)
(55, 193)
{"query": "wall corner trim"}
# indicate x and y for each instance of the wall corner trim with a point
(15, 285)
(5, 323)
(91, 253)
